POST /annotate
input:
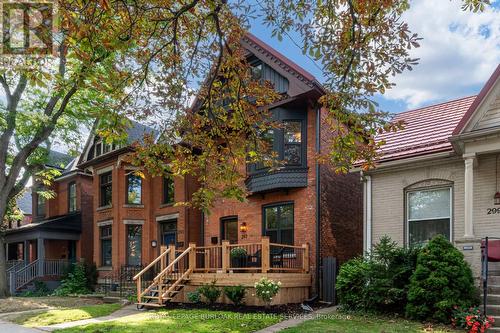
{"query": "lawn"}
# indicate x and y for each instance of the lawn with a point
(57, 316)
(16, 304)
(343, 323)
(183, 321)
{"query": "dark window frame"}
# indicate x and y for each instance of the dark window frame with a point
(70, 198)
(279, 230)
(40, 212)
(103, 202)
(127, 189)
(107, 238)
(127, 243)
(223, 221)
(166, 195)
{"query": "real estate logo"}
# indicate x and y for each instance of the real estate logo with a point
(28, 27)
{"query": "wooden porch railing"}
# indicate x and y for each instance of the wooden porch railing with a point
(144, 285)
(260, 256)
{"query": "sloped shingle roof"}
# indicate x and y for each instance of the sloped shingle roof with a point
(427, 130)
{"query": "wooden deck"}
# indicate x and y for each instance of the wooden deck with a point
(176, 272)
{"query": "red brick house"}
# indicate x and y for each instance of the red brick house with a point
(134, 216)
(60, 229)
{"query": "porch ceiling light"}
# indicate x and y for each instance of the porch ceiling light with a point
(497, 198)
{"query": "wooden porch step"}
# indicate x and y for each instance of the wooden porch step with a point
(152, 305)
(150, 297)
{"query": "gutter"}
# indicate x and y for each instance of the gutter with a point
(318, 200)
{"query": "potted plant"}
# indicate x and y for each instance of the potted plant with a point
(238, 257)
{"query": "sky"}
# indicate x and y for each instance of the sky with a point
(458, 53)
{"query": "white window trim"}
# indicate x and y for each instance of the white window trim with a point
(104, 223)
(407, 217)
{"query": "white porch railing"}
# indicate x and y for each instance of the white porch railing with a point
(38, 268)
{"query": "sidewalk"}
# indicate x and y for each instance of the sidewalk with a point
(123, 312)
(296, 321)
(14, 328)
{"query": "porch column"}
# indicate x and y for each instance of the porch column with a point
(469, 195)
(40, 255)
(26, 252)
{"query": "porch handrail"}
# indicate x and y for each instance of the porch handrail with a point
(172, 264)
(13, 265)
(26, 274)
(152, 263)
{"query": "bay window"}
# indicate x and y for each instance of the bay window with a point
(428, 215)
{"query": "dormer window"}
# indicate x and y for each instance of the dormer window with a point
(101, 148)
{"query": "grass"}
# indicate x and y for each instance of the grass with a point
(183, 321)
(343, 323)
(58, 316)
(16, 304)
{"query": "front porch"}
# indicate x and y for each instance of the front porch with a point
(176, 272)
(41, 250)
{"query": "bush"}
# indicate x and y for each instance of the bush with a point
(379, 282)
(210, 292)
(388, 276)
(40, 290)
(235, 294)
(351, 283)
(471, 319)
(194, 296)
(238, 252)
(75, 283)
(266, 289)
(442, 280)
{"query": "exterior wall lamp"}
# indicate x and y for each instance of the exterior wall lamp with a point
(243, 227)
(154, 243)
(497, 198)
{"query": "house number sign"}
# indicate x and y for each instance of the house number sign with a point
(491, 211)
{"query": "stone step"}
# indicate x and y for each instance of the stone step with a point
(493, 289)
(495, 280)
(493, 310)
(493, 299)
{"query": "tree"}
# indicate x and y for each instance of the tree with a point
(117, 58)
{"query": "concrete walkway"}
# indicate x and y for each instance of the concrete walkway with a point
(123, 312)
(292, 322)
(14, 328)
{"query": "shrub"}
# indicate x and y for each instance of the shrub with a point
(194, 296)
(238, 252)
(210, 292)
(351, 283)
(40, 290)
(75, 283)
(442, 279)
(266, 289)
(388, 276)
(378, 282)
(471, 319)
(235, 294)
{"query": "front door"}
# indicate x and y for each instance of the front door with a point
(168, 232)
(229, 229)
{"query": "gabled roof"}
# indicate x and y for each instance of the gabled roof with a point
(58, 160)
(473, 107)
(301, 81)
(427, 130)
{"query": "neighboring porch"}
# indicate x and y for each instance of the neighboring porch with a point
(41, 250)
(175, 272)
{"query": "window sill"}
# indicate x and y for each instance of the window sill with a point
(104, 208)
(105, 268)
(171, 204)
(133, 206)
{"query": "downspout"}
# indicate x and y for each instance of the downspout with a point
(367, 216)
(318, 199)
